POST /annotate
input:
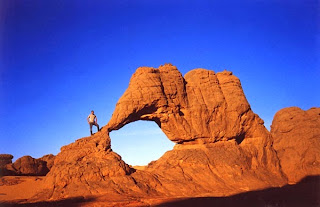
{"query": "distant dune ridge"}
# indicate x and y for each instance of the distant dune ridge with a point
(222, 147)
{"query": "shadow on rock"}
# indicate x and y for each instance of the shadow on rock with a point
(76, 201)
(305, 193)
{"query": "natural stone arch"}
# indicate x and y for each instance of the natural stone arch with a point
(219, 141)
(201, 107)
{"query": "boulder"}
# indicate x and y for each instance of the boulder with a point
(5, 159)
(5, 165)
(27, 165)
(296, 136)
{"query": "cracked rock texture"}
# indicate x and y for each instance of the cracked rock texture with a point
(297, 141)
(222, 147)
(202, 107)
(87, 166)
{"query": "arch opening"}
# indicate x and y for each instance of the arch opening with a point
(140, 142)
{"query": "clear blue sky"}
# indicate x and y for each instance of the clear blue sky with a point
(60, 59)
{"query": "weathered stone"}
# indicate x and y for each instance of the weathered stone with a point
(5, 165)
(297, 141)
(87, 166)
(203, 107)
(27, 165)
(49, 159)
(222, 146)
(5, 159)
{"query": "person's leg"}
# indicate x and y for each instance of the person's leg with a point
(97, 125)
(91, 128)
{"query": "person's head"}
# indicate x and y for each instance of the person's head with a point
(92, 112)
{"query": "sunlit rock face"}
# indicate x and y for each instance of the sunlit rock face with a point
(202, 107)
(222, 147)
(297, 141)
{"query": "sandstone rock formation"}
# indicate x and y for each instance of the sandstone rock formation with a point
(27, 165)
(297, 141)
(87, 166)
(202, 107)
(49, 159)
(222, 147)
(5, 159)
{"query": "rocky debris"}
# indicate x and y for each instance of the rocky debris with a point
(297, 141)
(27, 165)
(5, 181)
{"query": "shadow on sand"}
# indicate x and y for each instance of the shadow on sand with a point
(303, 194)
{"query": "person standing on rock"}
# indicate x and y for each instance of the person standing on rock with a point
(92, 120)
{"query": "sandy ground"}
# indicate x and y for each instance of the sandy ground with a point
(13, 188)
(14, 191)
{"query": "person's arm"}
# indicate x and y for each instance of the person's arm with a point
(88, 119)
(96, 119)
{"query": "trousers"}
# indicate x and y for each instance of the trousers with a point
(91, 124)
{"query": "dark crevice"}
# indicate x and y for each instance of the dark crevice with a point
(240, 138)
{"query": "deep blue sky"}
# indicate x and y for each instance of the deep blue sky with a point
(60, 59)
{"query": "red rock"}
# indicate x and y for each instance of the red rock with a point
(27, 165)
(5, 165)
(222, 146)
(5, 159)
(297, 141)
(203, 107)
(49, 159)
(87, 166)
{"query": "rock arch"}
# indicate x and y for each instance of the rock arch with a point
(222, 147)
(202, 107)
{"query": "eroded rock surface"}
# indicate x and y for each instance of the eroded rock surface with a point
(87, 166)
(27, 165)
(222, 146)
(5, 160)
(49, 159)
(297, 141)
(202, 107)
